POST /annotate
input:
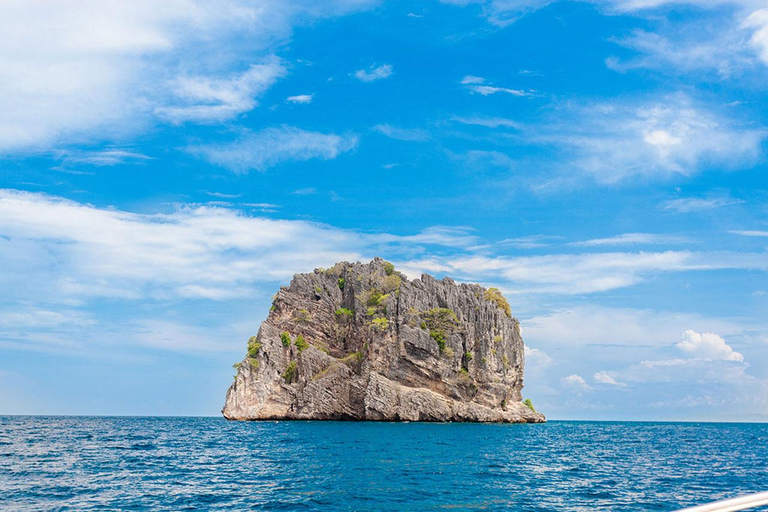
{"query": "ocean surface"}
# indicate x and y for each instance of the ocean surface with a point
(98, 463)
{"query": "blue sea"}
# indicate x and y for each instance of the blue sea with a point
(120, 463)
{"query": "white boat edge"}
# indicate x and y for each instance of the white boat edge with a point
(741, 503)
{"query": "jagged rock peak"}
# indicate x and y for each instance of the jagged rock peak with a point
(361, 342)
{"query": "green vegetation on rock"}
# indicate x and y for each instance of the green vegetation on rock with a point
(342, 281)
(380, 324)
(439, 338)
(285, 338)
(253, 347)
(440, 318)
(527, 402)
(439, 321)
(392, 284)
(389, 268)
(300, 343)
(291, 372)
(494, 295)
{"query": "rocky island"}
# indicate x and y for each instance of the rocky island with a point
(362, 342)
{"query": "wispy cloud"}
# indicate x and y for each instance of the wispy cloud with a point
(213, 253)
(217, 253)
(273, 146)
(530, 242)
(406, 134)
(472, 80)
(222, 195)
(633, 239)
(489, 122)
(102, 158)
(604, 377)
(699, 48)
(479, 85)
(374, 73)
(301, 98)
(758, 22)
(697, 204)
(487, 90)
(503, 12)
(213, 100)
(178, 61)
(752, 233)
(655, 139)
(576, 382)
(568, 274)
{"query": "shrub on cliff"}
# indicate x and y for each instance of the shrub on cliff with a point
(344, 313)
(253, 347)
(439, 338)
(527, 402)
(442, 319)
(300, 343)
(380, 324)
(290, 373)
(494, 295)
(285, 338)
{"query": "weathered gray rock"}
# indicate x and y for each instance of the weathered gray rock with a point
(380, 347)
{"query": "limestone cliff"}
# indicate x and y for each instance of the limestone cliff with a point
(361, 342)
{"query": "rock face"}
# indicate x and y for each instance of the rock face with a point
(361, 342)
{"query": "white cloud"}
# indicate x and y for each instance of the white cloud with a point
(479, 85)
(687, 48)
(471, 79)
(55, 249)
(585, 273)
(577, 382)
(707, 346)
(489, 122)
(487, 90)
(407, 134)
(273, 146)
(633, 239)
(177, 337)
(529, 242)
(503, 12)
(758, 21)
(374, 73)
(536, 357)
(640, 328)
(697, 204)
(673, 136)
(606, 378)
(301, 98)
(126, 60)
(752, 233)
(214, 252)
(106, 157)
(213, 100)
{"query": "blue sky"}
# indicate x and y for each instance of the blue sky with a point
(165, 169)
